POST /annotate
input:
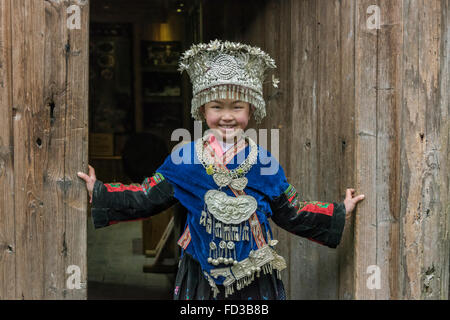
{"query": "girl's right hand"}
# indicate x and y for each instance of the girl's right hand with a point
(90, 180)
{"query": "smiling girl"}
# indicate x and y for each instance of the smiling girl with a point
(228, 250)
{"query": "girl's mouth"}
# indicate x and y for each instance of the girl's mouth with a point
(228, 127)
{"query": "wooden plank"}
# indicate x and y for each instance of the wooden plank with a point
(347, 143)
(53, 144)
(49, 223)
(303, 169)
(389, 97)
(409, 272)
(7, 230)
(329, 159)
(424, 151)
(27, 61)
(281, 116)
(434, 189)
(277, 36)
(366, 161)
(76, 147)
(443, 137)
(413, 124)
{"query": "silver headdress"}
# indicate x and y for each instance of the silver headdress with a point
(222, 66)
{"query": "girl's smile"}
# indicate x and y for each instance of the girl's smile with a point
(226, 117)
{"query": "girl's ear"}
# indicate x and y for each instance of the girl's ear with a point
(251, 109)
(202, 112)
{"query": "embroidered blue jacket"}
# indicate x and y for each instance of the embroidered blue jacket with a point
(183, 178)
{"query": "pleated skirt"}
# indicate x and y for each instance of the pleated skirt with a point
(191, 284)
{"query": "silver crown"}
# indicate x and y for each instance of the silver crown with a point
(222, 67)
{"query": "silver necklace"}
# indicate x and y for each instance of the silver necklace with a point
(223, 177)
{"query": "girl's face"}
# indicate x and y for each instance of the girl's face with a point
(226, 117)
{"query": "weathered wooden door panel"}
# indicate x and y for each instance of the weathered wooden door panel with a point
(43, 143)
(7, 238)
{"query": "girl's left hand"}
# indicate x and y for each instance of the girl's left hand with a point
(350, 201)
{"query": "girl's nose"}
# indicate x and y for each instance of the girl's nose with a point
(227, 116)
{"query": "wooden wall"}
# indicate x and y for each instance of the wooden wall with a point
(43, 143)
(363, 108)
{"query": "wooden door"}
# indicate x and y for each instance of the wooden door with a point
(43, 143)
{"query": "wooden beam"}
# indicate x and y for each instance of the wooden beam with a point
(424, 153)
(347, 141)
(28, 68)
(76, 149)
(7, 110)
(366, 148)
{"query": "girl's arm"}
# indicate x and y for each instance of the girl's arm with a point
(318, 221)
(116, 202)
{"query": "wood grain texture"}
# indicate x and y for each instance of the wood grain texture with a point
(28, 68)
(346, 132)
(389, 46)
(303, 169)
(366, 148)
(53, 137)
(45, 124)
(424, 233)
(278, 43)
(7, 227)
(443, 140)
(76, 149)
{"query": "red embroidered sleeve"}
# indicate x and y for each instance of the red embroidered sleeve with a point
(318, 221)
(116, 202)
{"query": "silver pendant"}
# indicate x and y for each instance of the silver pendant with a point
(222, 180)
(239, 183)
(230, 210)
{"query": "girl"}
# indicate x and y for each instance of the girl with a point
(228, 185)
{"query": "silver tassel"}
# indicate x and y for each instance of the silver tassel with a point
(226, 231)
(203, 219)
(218, 230)
(235, 232)
(208, 225)
(246, 232)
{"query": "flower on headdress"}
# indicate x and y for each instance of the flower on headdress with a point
(271, 63)
(182, 66)
(228, 45)
(275, 81)
(214, 45)
(255, 51)
(235, 46)
(187, 54)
